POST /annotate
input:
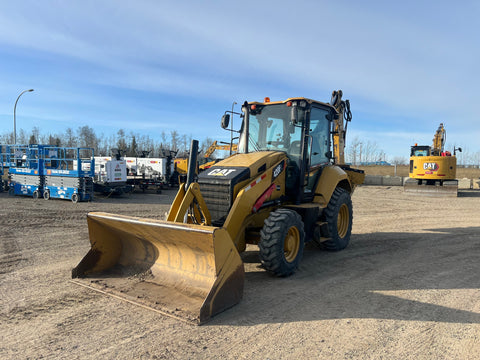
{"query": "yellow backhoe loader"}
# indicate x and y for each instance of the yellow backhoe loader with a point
(432, 169)
(208, 162)
(286, 185)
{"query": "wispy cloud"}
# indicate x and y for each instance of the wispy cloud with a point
(409, 60)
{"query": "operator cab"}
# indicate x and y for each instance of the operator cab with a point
(420, 150)
(299, 127)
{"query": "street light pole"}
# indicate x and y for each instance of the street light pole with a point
(15, 116)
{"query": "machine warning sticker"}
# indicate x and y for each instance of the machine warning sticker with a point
(432, 166)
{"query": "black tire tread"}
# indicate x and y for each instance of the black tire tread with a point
(272, 238)
(335, 243)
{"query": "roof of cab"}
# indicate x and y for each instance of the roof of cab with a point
(310, 101)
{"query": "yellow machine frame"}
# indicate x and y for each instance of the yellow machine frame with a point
(189, 265)
(432, 169)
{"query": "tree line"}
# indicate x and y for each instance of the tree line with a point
(134, 144)
(131, 144)
(360, 152)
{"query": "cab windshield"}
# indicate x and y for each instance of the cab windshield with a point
(270, 127)
(420, 151)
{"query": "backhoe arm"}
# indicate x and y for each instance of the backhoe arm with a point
(344, 114)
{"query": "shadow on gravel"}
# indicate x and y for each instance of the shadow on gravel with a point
(166, 197)
(426, 276)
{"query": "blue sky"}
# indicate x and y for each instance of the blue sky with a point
(153, 66)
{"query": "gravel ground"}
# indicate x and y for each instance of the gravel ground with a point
(407, 287)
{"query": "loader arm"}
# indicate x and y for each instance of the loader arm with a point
(190, 200)
(269, 185)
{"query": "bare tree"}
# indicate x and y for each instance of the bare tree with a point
(164, 141)
(87, 137)
(400, 160)
(175, 140)
(361, 152)
(70, 139)
(54, 140)
(34, 136)
(132, 149)
(6, 138)
(121, 142)
(353, 151)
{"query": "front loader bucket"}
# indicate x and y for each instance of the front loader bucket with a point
(187, 271)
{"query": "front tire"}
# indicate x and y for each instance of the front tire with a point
(46, 195)
(338, 215)
(282, 242)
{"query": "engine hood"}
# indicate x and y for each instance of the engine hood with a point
(256, 162)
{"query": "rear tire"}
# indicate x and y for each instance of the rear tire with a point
(338, 215)
(46, 195)
(36, 195)
(282, 242)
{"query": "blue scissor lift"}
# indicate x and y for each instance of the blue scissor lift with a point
(68, 173)
(3, 167)
(7, 160)
(2, 172)
(25, 169)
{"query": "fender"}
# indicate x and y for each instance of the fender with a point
(329, 179)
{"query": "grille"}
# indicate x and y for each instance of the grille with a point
(218, 199)
(217, 186)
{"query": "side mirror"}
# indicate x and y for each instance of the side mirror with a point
(294, 114)
(225, 121)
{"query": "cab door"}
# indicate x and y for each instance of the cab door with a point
(318, 148)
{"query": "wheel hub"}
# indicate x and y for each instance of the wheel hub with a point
(291, 244)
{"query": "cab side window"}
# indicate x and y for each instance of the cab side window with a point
(319, 132)
(318, 147)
